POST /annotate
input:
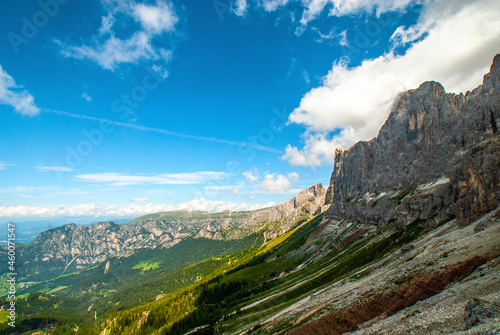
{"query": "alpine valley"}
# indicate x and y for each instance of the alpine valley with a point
(404, 240)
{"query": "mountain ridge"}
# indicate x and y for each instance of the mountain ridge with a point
(430, 138)
(75, 247)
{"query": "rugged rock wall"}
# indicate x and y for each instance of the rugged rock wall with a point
(306, 203)
(436, 156)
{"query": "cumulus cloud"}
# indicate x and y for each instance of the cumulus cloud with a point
(272, 182)
(453, 43)
(278, 183)
(272, 5)
(157, 19)
(109, 51)
(250, 177)
(15, 96)
(317, 150)
(240, 7)
(118, 179)
(98, 209)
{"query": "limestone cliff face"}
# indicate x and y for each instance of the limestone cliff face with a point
(436, 155)
(73, 247)
(306, 203)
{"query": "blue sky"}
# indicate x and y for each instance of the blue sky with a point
(115, 108)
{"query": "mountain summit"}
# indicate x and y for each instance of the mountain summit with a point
(437, 155)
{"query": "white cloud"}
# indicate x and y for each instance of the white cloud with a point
(202, 204)
(293, 177)
(118, 179)
(157, 19)
(250, 177)
(273, 182)
(240, 7)
(3, 165)
(343, 39)
(115, 51)
(272, 5)
(139, 199)
(460, 41)
(107, 23)
(214, 191)
(110, 51)
(278, 183)
(332, 37)
(15, 96)
(305, 75)
(98, 210)
(349, 7)
(311, 9)
(86, 97)
(54, 168)
(317, 150)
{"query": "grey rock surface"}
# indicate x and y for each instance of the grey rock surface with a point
(437, 155)
(478, 310)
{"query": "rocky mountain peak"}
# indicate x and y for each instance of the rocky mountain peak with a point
(309, 194)
(495, 67)
(491, 81)
(425, 141)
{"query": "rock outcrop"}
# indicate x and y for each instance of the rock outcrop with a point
(437, 155)
(306, 203)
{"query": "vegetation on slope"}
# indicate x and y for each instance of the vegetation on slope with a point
(231, 293)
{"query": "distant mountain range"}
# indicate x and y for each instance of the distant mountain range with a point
(29, 229)
(70, 247)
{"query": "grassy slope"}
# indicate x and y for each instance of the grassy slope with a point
(236, 292)
(122, 286)
(268, 281)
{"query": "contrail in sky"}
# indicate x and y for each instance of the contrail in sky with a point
(166, 132)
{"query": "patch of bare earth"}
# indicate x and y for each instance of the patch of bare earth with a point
(417, 289)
